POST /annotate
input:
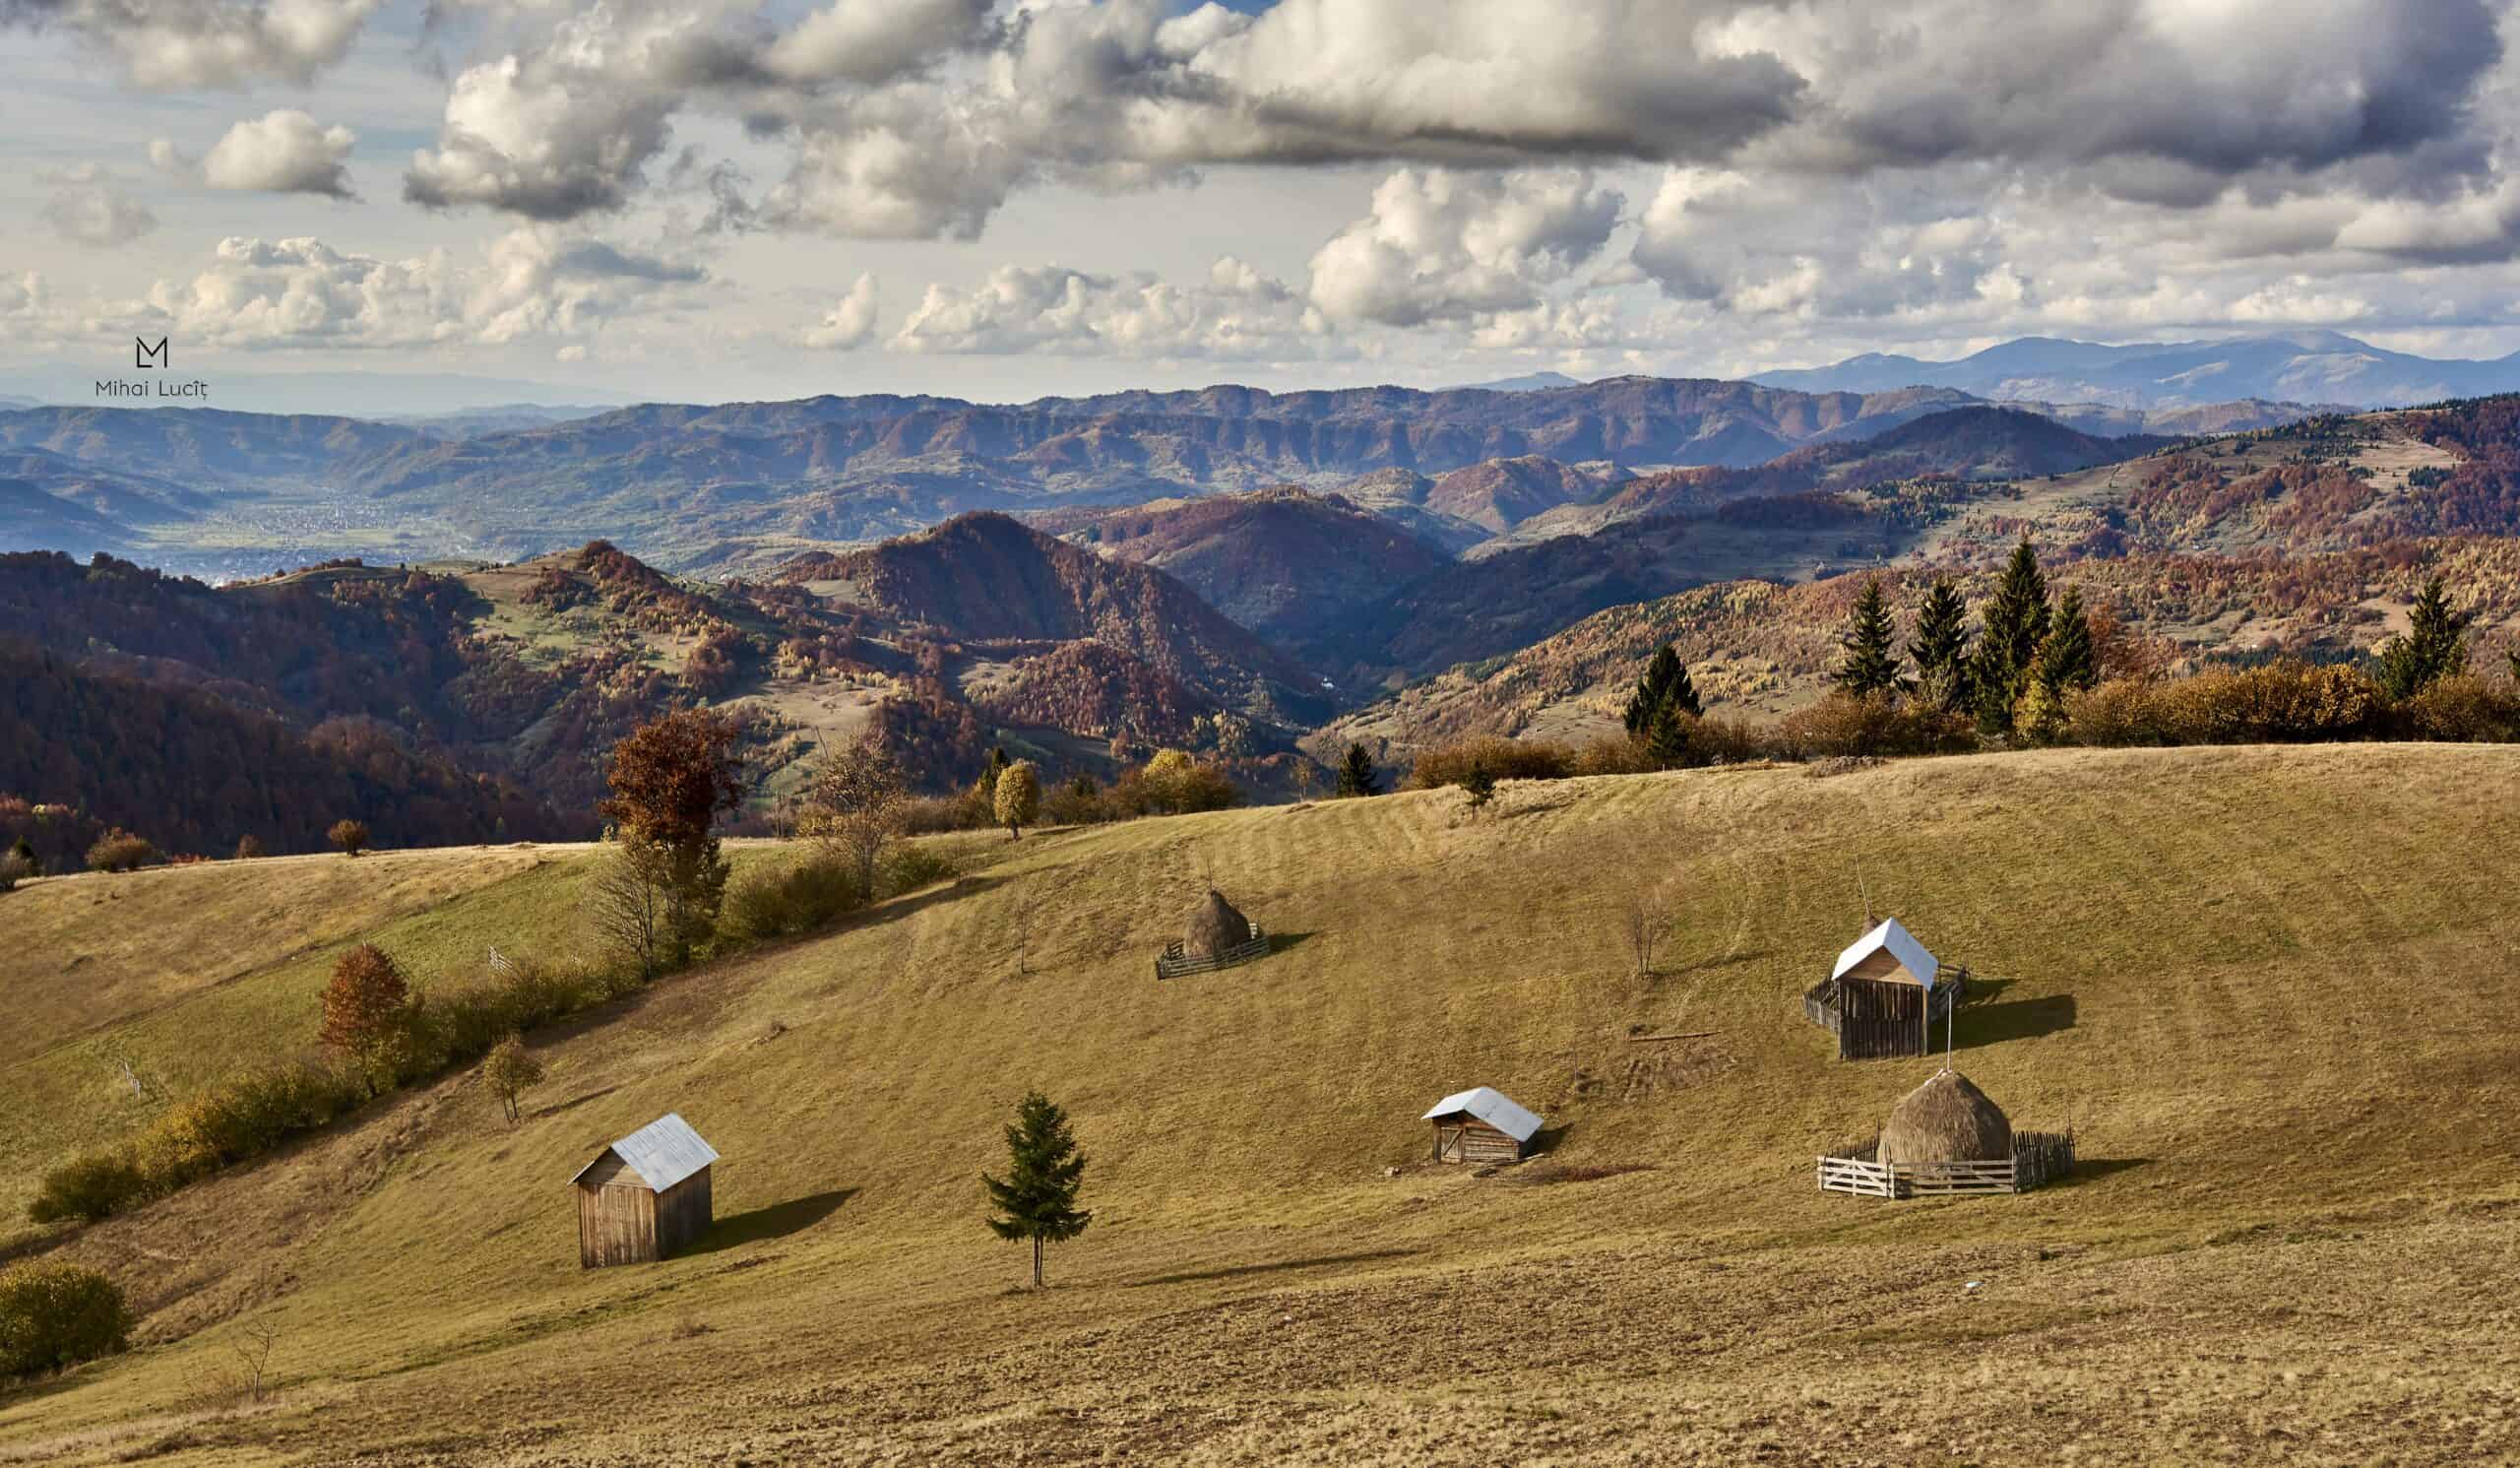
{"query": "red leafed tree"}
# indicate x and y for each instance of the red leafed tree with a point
(365, 1007)
(670, 779)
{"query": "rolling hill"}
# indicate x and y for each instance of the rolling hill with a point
(2270, 1255)
(1285, 564)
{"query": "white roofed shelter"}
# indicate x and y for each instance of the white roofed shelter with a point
(1888, 954)
(645, 1196)
(1480, 1124)
(1884, 995)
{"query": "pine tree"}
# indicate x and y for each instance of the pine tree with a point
(1665, 681)
(1356, 773)
(2435, 646)
(1038, 1199)
(1940, 649)
(1666, 739)
(2016, 623)
(1480, 785)
(1871, 663)
(2067, 661)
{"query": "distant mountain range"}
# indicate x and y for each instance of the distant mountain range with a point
(739, 486)
(375, 395)
(2316, 366)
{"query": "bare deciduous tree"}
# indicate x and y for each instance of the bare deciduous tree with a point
(627, 905)
(1643, 920)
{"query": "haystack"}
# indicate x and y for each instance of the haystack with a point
(1945, 1120)
(1214, 929)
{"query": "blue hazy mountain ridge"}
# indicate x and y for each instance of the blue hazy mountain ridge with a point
(2309, 366)
(342, 393)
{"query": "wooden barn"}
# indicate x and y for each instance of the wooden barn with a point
(1884, 996)
(643, 1196)
(1481, 1125)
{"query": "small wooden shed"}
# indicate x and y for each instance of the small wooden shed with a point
(643, 1196)
(1884, 995)
(1482, 1124)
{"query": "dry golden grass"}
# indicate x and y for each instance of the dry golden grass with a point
(2268, 986)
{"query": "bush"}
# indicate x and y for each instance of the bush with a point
(89, 1187)
(1872, 723)
(248, 849)
(1076, 802)
(351, 836)
(2461, 709)
(927, 815)
(906, 868)
(798, 897)
(1504, 759)
(14, 869)
(55, 1314)
(120, 850)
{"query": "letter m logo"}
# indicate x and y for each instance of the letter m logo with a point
(145, 355)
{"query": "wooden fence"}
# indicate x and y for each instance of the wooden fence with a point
(1174, 964)
(1875, 1020)
(2037, 1156)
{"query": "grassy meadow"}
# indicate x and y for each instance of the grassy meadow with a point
(2268, 988)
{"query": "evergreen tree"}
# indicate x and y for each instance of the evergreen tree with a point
(1665, 681)
(1666, 739)
(2067, 661)
(1871, 663)
(2435, 646)
(1480, 785)
(1038, 1199)
(2016, 623)
(1356, 773)
(1940, 649)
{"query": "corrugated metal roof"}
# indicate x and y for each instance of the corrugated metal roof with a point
(1903, 946)
(1490, 1105)
(663, 1153)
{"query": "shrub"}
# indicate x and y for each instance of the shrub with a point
(120, 850)
(797, 897)
(89, 1187)
(351, 836)
(1078, 802)
(247, 848)
(2461, 708)
(54, 1314)
(2284, 702)
(927, 815)
(1872, 723)
(1615, 755)
(906, 868)
(14, 869)
(1450, 763)
(2281, 702)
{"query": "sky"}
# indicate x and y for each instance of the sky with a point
(711, 199)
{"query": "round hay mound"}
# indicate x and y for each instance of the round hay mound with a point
(1214, 928)
(1947, 1119)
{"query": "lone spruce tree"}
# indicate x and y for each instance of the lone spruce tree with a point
(1357, 774)
(1038, 1199)
(2433, 647)
(1940, 648)
(1665, 684)
(1871, 663)
(2016, 623)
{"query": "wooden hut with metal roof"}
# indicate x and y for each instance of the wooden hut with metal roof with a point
(1884, 996)
(645, 1196)
(1481, 1125)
